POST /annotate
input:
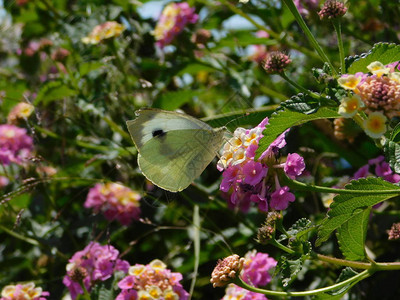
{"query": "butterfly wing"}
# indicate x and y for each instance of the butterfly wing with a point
(174, 148)
(151, 120)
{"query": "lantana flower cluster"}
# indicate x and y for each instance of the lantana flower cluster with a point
(376, 93)
(173, 19)
(247, 181)
(26, 291)
(93, 264)
(152, 281)
(254, 269)
(21, 111)
(15, 144)
(115, 201)
(103, 31)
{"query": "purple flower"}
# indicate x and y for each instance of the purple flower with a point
(235, 292)
(228, 177)
(280, 198)
(152, 281)
(174, 18)
(294, 165)
(253, 172)
(15, 144)
(94, 263)
(279, 143)
(115, 201)
(362, 172)
(256, 267)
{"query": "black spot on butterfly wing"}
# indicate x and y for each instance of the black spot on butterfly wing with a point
(159, 133)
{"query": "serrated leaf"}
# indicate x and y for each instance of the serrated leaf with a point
(346, 273)
(392, 153)
(53, 90)
(365, 193)
(384, 52)
(351, 236)
(297, 228)
(291, 265)
(174, 100)
(302, 103)
(394, 136)
(282, 120)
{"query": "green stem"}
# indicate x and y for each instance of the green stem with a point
(309, 35)
(382, 266)
(338, 29)
(272, 33)
(272, 93)
(299, 87)
(321, 189)
(280, 246)
(364, 274)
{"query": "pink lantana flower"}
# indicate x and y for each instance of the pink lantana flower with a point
(15, 144)
(153, 281)
(94, 263)
(294, 165)
(174, 18)
(115, 201)
(280, 198)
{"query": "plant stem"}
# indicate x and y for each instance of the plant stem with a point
(309, 35)
(322, 189)
(280, 246)
(338, 29)
(299, 87)
(364, 274)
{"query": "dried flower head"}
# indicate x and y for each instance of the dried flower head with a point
(345, 129)
(226, 270)
(394, 232)
(267, 230)
(276, 62)
(332, 9)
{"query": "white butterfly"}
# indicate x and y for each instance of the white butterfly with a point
(174, 148)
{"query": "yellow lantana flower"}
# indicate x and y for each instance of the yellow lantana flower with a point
(375, 125)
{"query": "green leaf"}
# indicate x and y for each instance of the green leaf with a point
(297, 229)
(394, 136)
(291, 264)
(174, 100)
(87, 67)
(383, 52)
(283, 120)
(366, 193)
(392, 153)
(351, 235)
(346, 273)
(302, 103)
(53, 90)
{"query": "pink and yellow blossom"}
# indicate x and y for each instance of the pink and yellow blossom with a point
(349, 82)
(349, 106)
(103, 31)
(26, 291)
(375, 125)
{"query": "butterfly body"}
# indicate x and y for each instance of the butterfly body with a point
(174, 148)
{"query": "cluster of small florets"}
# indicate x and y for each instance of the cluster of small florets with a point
(21, 111)
(226, 270)
(394, 232)
(255, 272)
(103, 31)
(26, 291)
(173, 20)
(376, 93)
(332, 9)
(276, 62)
(376, 167)
(247, 181)
(152, 281)
(15, 144)
(92, 264)
(115, 201)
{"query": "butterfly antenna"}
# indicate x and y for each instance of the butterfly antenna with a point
(235, 119)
